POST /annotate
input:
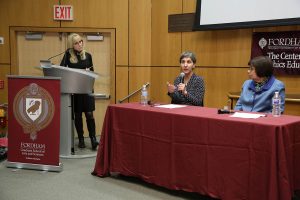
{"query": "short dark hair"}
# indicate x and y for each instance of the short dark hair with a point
(188, 54)
(263, 66)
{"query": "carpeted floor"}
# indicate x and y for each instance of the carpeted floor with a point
(75, 182)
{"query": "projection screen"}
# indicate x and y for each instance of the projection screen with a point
(234, 14)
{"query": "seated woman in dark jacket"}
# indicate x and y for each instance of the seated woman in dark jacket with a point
(188, 88)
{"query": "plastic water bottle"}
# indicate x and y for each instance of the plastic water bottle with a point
(276, 105)
(228, 106)
(144, 96)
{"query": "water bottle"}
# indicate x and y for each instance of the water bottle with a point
(276, 105)
(228, 106)
(144, 96)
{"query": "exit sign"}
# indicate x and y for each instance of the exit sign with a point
(63, 12)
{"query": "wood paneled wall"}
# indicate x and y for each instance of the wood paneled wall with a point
(145, 51)
(4, 69)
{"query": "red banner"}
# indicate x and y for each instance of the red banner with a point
(34, 120)
(282, 47)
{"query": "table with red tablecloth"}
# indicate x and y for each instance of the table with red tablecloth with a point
(195, 149)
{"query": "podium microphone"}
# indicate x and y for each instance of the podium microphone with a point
(181, 76)
(58, 54)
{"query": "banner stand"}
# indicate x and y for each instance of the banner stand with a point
(34, 123)
(18, 165)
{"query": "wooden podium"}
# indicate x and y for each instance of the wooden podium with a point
(73, 81)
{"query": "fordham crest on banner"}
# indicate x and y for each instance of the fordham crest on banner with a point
(33, 108)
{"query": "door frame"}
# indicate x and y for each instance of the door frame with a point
(13, 31)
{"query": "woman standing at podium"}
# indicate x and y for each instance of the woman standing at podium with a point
(77, 57)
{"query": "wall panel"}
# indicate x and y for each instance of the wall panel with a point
(219, 48)
(140, 33)
(4, 70)
(23, 13)
(220, 81)
(159, 78)
(189, 6)
(278, 28)
(121, 82)
(292, 84)
(138, 76)
(4, 32)
(31, 13)
(165, 47)
(4, 48)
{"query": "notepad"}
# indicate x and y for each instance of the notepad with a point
(171, 106)
(248, 115)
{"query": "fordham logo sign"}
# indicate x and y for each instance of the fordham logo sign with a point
(34, 109)
(282, 47)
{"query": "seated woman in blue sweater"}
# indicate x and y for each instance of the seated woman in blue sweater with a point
(257, 93)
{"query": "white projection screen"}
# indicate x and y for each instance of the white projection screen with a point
(234, 14)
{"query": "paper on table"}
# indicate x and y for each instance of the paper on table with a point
(247, 115)
(170, 106)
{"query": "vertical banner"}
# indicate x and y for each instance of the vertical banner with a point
(282, 47)
(34, 120)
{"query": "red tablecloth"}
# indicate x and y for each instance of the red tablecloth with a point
(195, 149)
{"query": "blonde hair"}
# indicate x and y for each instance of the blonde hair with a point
(72, 39)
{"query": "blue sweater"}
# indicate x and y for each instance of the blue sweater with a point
(261, 101)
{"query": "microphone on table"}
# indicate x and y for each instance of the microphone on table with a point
(225, 111)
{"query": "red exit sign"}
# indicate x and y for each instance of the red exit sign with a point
(63, 12)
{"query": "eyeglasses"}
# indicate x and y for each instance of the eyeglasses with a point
(79, 42)
(251, 68)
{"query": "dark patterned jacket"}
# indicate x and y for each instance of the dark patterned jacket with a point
(195, 92)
